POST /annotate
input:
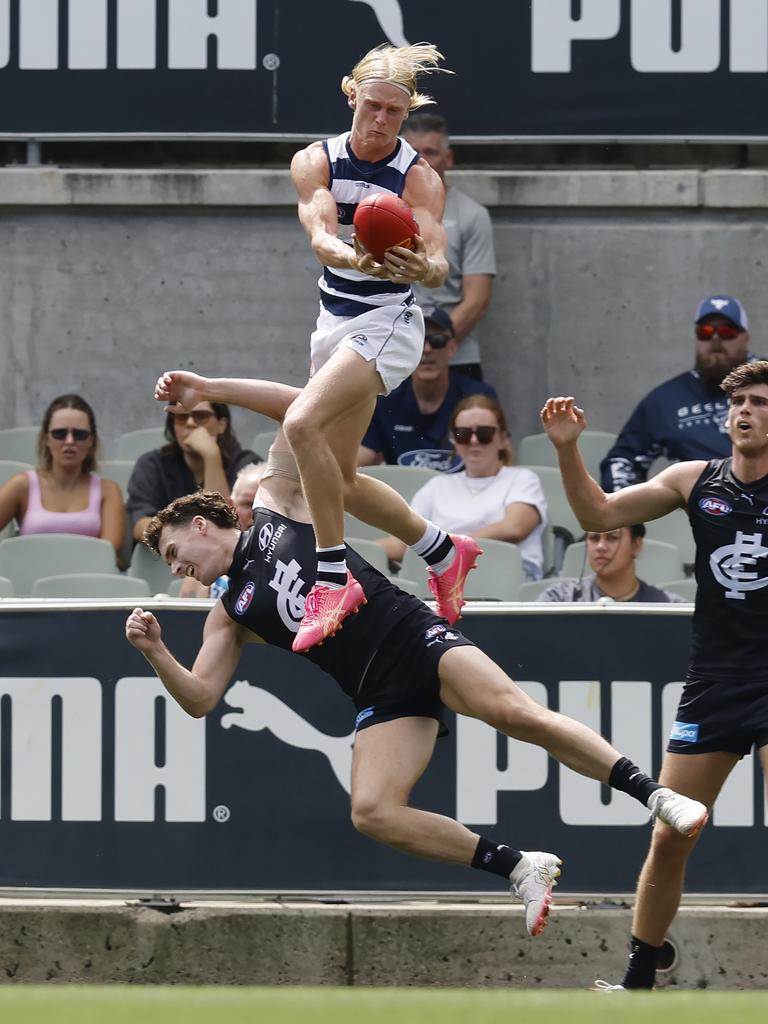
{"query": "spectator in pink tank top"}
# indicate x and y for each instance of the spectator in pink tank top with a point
(64, 494)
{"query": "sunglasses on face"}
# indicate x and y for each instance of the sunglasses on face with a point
(61, 434)
(200, 416)
(439, 339)
(727, 332)
(484, 435)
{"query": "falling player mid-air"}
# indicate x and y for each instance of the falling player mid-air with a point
(401, 665)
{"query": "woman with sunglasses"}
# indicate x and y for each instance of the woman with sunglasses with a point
(489, 498)
(64, 494)
(202, 452)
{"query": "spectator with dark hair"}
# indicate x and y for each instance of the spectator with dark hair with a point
(410, 425)
(684, 418)
(611, 558)
(466, 291)
(489, 498)
(65, 494)
(202, 452)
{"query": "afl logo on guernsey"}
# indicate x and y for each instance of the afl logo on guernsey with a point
(245, 598)
(715, 506)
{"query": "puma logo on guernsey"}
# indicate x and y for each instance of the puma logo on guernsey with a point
(258, 709)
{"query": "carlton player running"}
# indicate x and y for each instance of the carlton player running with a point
(400, 665)
(723, 711)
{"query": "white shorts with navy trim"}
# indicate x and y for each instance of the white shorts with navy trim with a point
(390, 336)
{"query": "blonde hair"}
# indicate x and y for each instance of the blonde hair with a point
(396, 65)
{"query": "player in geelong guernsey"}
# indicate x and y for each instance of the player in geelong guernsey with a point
(723, 712)
(400, 665)
(370, 334)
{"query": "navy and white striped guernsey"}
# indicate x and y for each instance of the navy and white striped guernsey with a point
(350, 180)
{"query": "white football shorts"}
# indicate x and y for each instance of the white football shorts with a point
(390, 336)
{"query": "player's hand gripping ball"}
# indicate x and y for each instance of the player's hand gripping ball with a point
(383, 220)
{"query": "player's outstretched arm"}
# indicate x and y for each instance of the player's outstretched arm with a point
(267, 397)
(564, 421)
(197, 691)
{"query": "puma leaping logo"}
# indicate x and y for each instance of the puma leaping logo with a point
(390, 17)
(259, 709)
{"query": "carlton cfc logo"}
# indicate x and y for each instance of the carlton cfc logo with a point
(245, 598)
(715, 506)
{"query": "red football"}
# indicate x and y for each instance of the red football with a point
(383, 220)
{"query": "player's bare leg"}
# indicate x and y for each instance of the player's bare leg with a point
(389, 759)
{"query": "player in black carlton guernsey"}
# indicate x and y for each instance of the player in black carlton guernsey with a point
(723, 711)
(399, 663)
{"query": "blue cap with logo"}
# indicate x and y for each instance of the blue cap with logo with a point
(723, 305)
(438, 315)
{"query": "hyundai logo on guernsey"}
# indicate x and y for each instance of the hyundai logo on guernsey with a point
(265, 536)
(715, 506)
(245, 598)
(684, 732)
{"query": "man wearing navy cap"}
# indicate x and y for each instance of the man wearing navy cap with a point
(684, 418)
(410, 425)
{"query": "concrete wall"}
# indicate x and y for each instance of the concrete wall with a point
(394, 944)
(109, 277)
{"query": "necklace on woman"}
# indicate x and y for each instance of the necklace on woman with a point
(623, 597)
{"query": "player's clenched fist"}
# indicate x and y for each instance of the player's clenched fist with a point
(180, 386)
(142, 629)
(563, 420)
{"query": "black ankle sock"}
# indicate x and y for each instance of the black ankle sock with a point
(499, 860)
(641, 969)
(628, 778)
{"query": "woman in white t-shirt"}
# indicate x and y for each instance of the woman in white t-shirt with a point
(489, 498)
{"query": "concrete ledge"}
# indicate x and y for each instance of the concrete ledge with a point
(402, 944)
(670, 189)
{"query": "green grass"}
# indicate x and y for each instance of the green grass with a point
(80, 1004)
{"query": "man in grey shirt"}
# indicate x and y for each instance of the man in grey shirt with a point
(466, 291)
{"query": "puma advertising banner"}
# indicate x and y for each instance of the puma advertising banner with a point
(525, 69)
(105, 783)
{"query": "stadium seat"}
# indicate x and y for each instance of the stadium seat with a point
(134, 443)
(532, 589)
(657, 561)
(674, 528)
(19, 444)
(10, 467)
(683, 588)
(25, 559)
(357, 528)
(406, 480)
(537, 450)
(90, 585)
(371, 552)
(118, 470)
(565, 526)
(497, 577)
(6, 587)
(147, 566)
(262, 442)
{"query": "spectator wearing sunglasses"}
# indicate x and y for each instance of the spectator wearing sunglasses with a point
(684, 418)
(202, 453)
(410, 425)
(64, 494)
(489, 498)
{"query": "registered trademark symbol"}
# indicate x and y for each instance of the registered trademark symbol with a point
(271, 61)
(221, 813)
